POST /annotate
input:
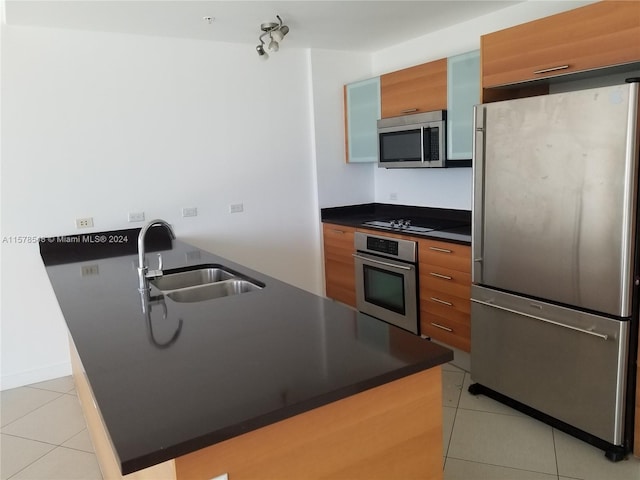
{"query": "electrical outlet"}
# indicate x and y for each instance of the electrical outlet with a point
(393, 196)
(84, 222)
(236, 208)
(224, 476)
(136, 216)
(87, 270)
(190, 212)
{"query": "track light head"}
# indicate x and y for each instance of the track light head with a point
(276, 32)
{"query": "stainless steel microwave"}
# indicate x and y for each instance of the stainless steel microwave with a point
(413, 141)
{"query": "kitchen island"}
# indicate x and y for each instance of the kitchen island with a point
(273, 383)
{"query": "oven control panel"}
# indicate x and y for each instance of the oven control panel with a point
(383, 245)
(397, 248)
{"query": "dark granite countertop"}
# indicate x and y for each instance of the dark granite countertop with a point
(457, 228)
(212, 370)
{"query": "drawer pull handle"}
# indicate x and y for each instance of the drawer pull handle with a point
(409, 110)
(441, 250)
(552, 69)
(442, 327)
(341, 232)
(448, 304)
(439, 275)
(489, 303)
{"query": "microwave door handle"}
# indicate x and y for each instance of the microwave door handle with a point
(422, 144)
(426, 156)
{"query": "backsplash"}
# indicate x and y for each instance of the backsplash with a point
(440, 188)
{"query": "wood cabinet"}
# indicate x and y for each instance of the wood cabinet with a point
(463, 92)
(361, 114)
(418, 89)
(445, 292)
(339, 267)
(598, 35)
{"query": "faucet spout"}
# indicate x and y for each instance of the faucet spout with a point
(143, 269)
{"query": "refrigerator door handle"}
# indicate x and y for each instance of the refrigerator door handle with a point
(478, 192)
(545, 320)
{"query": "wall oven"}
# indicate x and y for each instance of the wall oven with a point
(386, 279)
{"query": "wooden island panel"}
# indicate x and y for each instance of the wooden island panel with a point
(391, 431)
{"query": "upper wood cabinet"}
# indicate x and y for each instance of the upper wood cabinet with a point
(418, 89)
(362, 111)
(598, 35)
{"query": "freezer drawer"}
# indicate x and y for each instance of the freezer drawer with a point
(567, 364)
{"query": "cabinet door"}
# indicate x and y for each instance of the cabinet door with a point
(463, 92)
(362, 111)
(597, 35)
(418, 89)
(339, 266)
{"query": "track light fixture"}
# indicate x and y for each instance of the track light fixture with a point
(275, 32)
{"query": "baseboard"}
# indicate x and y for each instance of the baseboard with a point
(28, 377)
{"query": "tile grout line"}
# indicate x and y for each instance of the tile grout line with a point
(453, 424)
(555, 452)
(504, 466)
(60, 395)
(35, 460)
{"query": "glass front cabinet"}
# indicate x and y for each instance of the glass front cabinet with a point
(463, 92)
(362, 102)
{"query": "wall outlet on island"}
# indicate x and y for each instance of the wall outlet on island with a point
(393, 196)
(86, 222)
(224, 476)
(190, 212)
(136, 216)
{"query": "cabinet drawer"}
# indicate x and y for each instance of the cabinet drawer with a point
(594, 36)
(446, 330)
(340, 233)
(445, 280)
(436, 301)
(449, 255)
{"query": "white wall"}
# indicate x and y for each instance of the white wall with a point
(339, 183)
(426, 187)
(97, 124)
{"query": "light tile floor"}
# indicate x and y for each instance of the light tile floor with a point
(43, 437)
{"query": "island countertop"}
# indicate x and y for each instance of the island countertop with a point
(168, 384)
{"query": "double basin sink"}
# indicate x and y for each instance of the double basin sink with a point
(197, 283)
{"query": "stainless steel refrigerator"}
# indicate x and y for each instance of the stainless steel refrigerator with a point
(554, 313)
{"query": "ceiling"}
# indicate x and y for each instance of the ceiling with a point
(356, 25)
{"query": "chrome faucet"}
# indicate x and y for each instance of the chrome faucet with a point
(143, 270)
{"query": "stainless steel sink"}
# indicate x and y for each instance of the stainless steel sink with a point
(197, 283)
(193, 276)
(223, 288)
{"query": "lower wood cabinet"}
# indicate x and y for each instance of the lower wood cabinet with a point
(445, 282)
(445, 292)
(339, 267)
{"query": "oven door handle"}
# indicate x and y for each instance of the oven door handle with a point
(386, 264)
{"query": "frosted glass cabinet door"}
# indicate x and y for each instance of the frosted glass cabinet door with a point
(463, 92)
(363, 112)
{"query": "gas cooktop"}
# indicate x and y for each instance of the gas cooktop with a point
(416, 225)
